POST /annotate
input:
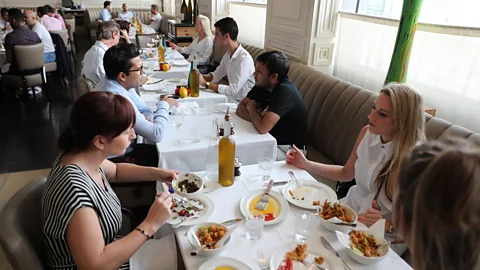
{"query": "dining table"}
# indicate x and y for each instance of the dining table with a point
(274, 237)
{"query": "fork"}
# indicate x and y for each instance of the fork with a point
(299, 182)
(312, 266)
(263, 202)
(262, 262)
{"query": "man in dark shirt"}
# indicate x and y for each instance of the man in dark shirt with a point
(21, 35)
(274, 104)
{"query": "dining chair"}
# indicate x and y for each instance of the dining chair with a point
(29, 60)
(143, 40)
(21, 236)
(85, 85)
(66, 40)
(70, 24)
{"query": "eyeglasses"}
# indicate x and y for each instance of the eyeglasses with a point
(134, 70)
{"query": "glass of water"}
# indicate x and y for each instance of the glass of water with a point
(254, 224)
(208, 107)
(265, 168)
(303, 225)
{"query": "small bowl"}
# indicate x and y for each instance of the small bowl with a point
(207, 252)
(345, 240)
(192, 178)
(333, 227)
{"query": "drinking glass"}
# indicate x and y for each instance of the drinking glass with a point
(208, 107)
(177, 121)
(265, 168)
(303, 225)
(254, 224)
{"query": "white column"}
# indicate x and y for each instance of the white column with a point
(303, 29)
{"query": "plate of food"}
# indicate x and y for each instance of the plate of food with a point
(292, 256)
(310, 195)
(182, 210)
(188, 185)
(335, 216)
(224, 263)
(366, 247)
(208, 234)
(277, 208)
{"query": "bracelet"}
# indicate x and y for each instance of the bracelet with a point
(144, 233)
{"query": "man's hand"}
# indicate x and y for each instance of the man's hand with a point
(202, 80)
(124, 34)
(149, 119)
(171, 102)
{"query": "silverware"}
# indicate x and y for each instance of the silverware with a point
(328, 246)
(299, 182)
(200, 248)
(263, 202)
(161, 80)
(278, 183)
(312, 266)
(262, 262)
(345, 224)
(232, 221)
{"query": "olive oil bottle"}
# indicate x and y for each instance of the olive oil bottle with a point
(226, 155)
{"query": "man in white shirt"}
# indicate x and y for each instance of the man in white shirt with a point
(4, 24)
(108, 35)
(155, 18)
(49, 22)
(42, 32)
(236, 64)
(125, 15)
(106, 13)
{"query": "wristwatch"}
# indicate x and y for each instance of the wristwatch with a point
(207, 84)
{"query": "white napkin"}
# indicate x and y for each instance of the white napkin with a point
(188, 108)
(222, 107)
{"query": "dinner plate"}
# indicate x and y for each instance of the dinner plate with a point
(246, 200)
(318, 192)
(331, 261)
(180, 63)
(223, 262)
(207, 212)
(154, 87)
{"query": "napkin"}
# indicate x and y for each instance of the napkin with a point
(222, 107)
(188, 108)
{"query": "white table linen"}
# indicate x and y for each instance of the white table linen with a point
(227, 202)
(179, 68)
(250, 145)
(151, 98)
(156, 254)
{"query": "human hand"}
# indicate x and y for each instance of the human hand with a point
(158, 214)
(171, 101)
(296, 158)
(149, 119)
(167, 176)
(370, 217)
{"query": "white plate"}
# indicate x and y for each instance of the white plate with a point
(245, 202)
(180, 63)
(319, 191)
(224, 261)
(331, 261)
(154, 87)
(208, 211)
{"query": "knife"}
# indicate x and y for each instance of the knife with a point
(278, 183)
(328, 246)
(230, 222)
(345, 224)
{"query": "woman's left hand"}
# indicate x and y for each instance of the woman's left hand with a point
(167, 176)
(370, 217)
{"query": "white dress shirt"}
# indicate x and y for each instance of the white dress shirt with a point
(93, 62)
(126, 16)
(153, 131)
(202, 49)
(239, 69)
(105, 15)
(3, 23)
(372, 155)
(157, 20)
(44, 35)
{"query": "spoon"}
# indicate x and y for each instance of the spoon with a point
(299, 182)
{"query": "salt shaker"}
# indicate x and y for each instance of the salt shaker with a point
(237, 165)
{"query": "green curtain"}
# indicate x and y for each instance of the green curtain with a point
(397, 72)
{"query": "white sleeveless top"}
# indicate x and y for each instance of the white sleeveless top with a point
(372, 155)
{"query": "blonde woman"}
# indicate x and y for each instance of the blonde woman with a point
(396, 125)
(436, 205)
(202, 45)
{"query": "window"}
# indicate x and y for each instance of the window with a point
(444, 12)
(264, 2)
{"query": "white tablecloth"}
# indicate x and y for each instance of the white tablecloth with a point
(227, 202)
(151, 98)
(250, 145)
(180, 67)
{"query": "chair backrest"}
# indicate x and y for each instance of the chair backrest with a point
(70, 22)
(143, 39)
(64, 34)
(85, 85)
(29, 57)
(21, 234)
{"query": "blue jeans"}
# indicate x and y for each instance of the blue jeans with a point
(49, 57)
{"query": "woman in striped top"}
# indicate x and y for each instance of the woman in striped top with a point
(81, 213)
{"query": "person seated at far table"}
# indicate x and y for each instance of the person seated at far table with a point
(124, 72)
(48, 47)
(274, 104)
(50, 23)
(125, 14)
(436, 205)
(81, 213)
(236, 64)
(155, 18)
(202, 44)
(4, 24)
(51, 13)
(124, 30)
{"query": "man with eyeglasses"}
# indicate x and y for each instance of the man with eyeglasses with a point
(124, 72)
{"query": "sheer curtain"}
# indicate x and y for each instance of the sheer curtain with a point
(444, 64)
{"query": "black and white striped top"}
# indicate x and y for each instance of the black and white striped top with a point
(68, 189)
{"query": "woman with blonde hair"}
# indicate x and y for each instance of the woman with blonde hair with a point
(437, 205)
(202, 45)
(396, 125)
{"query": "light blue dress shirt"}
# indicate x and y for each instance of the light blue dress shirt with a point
(126, 16)
(153, 131)
(105, 15)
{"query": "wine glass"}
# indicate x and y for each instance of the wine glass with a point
(177, 120)
(156, 39)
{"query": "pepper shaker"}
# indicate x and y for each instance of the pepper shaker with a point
(237, 165)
